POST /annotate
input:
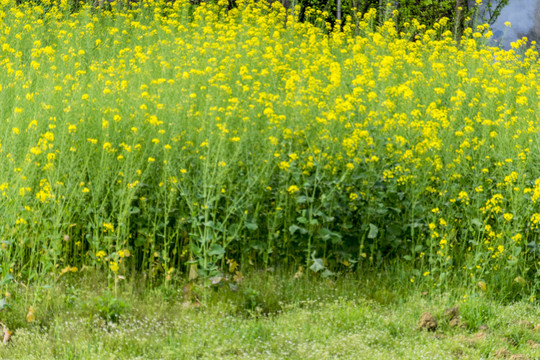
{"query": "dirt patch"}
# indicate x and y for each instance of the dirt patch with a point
(452, 313)
(454, 320)
(483, 328)
(505, 354)
(502, 354)
(518, 357)
(427, 322)
(526, 324)
(479, 336)
(472, 341)
(457, 353)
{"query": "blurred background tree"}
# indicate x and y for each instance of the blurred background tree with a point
(461, 13)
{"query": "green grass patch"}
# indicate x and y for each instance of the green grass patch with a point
(289, 318)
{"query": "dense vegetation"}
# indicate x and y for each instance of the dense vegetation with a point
(174, 139)
(252, 180)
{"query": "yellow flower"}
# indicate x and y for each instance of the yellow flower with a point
(30, 317)
(482, 285)
(284, 165)
(108, 227)
(293, 189)
(463, 196)
(535, 220)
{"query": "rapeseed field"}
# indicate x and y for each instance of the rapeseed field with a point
(173, 139)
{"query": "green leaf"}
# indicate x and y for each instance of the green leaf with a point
(373, 231)
(216, 250)
(251, 226)
(295, 228)
(258, 245)
(327, 273)
(301, 199)
(317, 265)
(394, 229)
(204, 239)
(6, 280)
(140, 241)
(326, 234)
(477, 222)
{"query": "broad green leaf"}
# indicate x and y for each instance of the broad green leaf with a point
(317, 265)
(6, 280)
(295, 228)
(251, 226)
(477, 222)
(327, 273)
(216, 250)
(373, 231)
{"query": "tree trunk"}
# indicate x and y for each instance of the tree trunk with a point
(459, 19)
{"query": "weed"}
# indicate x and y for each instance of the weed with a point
(109, 307)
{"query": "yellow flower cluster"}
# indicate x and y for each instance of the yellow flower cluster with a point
(206, 116)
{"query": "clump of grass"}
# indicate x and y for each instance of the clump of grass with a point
(108, 307)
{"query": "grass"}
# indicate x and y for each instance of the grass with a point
(307, 318)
